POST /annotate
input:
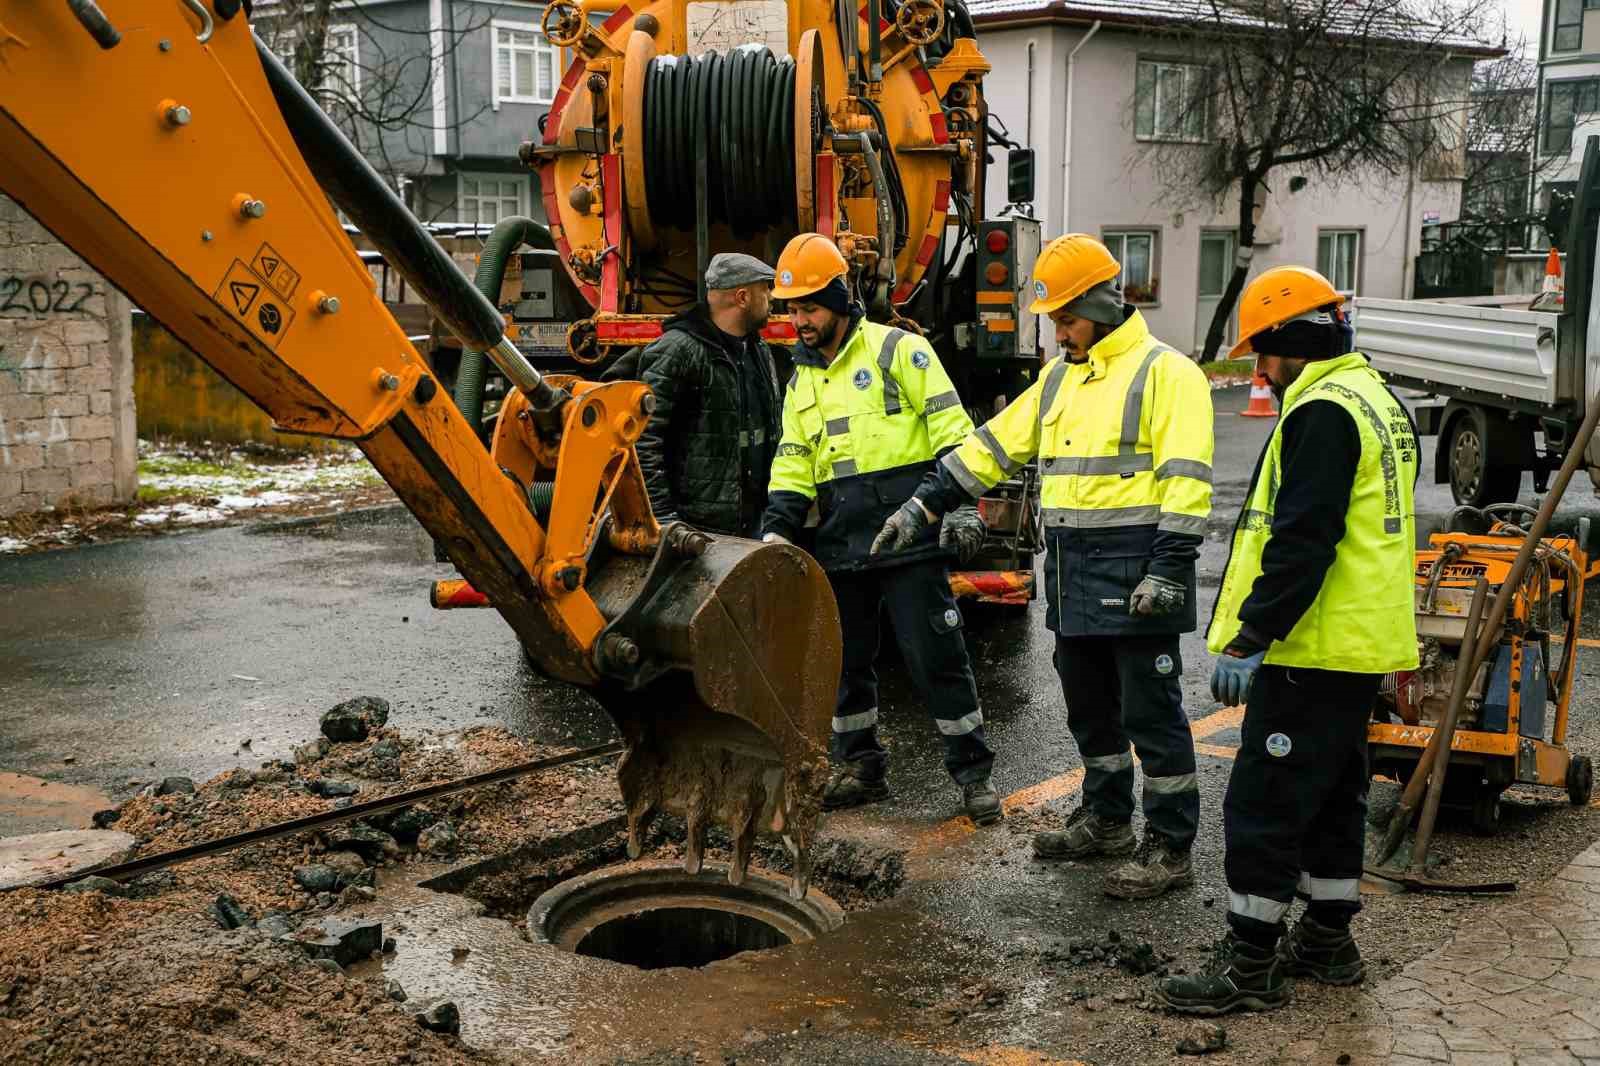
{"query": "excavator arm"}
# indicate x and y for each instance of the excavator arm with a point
(176, 155)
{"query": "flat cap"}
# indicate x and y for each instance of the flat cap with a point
(729, 270)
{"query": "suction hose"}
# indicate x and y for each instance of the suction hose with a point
(506, 237)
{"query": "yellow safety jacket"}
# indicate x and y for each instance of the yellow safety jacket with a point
(1363, 619)
(1124, 446)
(858, 435)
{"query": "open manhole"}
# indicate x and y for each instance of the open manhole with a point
(653, 915)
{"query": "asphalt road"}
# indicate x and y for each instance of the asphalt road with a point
(160, 656)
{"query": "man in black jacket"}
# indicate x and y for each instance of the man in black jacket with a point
(707, 451)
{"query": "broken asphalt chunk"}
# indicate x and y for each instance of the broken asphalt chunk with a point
(1203, 1039)
(229, 914)
(353, 719)
(345, 942)
(371, 844)
(442, 1017)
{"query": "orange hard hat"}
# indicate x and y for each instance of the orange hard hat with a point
(1277, 296)
(1067, 268)
(806, 266)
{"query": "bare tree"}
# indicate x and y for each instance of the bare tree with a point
(1503, 156)
(1335, 89)
(372, 73)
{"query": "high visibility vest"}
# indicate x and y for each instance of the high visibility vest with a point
(1124, 444)
(1363, 619)
(860, 432)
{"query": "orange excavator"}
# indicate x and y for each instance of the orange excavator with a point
(162, 143)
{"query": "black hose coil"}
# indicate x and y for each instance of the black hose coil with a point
(737, 110)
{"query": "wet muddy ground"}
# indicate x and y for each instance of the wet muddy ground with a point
(146, 659)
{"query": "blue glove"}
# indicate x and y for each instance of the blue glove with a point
(1230, 681)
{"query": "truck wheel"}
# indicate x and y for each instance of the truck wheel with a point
(1474, 481)
(1580, 780)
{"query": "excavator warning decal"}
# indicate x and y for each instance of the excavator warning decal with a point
(251, 299)
(280, 275)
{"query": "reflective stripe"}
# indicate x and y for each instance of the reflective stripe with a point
(963, 474)
(1260, 908)
(1084, 465)
(838, 427)
(1052, 386)
(1183, 523)
(793, 449)
(1330, 888)
(1133, 406)
(1008, 464)
(844, 468)
(1386, 453)
(849, 723)
(1110, 764)
(891, 387)
(934, 404)
(1098, 517)
(746, 437)
(961, 726)
(1166, 786)
(1189, 468)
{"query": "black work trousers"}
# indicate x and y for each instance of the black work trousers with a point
(1294, 818)
(1121, 689)
(927, 625)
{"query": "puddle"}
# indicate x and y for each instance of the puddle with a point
(34, 805)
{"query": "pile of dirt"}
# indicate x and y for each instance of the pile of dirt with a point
(151, 971)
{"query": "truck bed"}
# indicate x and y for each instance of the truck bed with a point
(1488, 352)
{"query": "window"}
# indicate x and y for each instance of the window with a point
(1136, 250)
(1171, 102)
(1569, 26)
(524, 65)
(1564, 103)
(485, 199)
(1339, 258)
(341, 61)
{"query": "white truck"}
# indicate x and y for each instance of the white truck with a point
(1511, 383)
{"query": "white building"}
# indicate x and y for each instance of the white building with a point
(1569, 93)
(1077, 81)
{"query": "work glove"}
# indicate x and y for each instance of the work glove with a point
(1230, 680)
(901, 530)
(962, 533)
(775, 538)
(1157, 596)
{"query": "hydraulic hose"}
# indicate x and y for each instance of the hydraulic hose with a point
(735, 110)
(506, 237)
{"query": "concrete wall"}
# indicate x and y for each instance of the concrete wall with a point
(1115, 182)
(66, 376)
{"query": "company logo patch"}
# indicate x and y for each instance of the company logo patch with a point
(1279, 745)
(1039, 291)
(919, 360)
(786, 277)
(863, 378)
(951, 618)
(1163, 665)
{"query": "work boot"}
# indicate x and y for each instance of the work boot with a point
(1156, 866)
(1085, 834)
(847, 789)
(1322, 953)
(982, 802)
(1242, 976)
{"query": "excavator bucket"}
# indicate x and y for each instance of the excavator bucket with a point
(739, 649)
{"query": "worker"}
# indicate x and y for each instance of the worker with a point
(1315, 607)
(1121, 427)
(866, 412)
(707, 450)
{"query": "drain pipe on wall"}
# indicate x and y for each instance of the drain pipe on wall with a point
(1066, 151)
(1027, 127)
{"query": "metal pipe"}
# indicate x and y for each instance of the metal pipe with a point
(1027, 127)
(1066, 148)
(874, 42)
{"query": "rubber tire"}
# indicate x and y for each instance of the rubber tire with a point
(1483, 484)
(1580, 780)
(1486, 812)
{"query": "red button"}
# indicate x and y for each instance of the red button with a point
(998, 241)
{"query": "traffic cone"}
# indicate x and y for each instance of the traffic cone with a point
(1552, 275)
(1261, 403)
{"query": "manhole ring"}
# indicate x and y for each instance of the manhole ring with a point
(582, 914)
